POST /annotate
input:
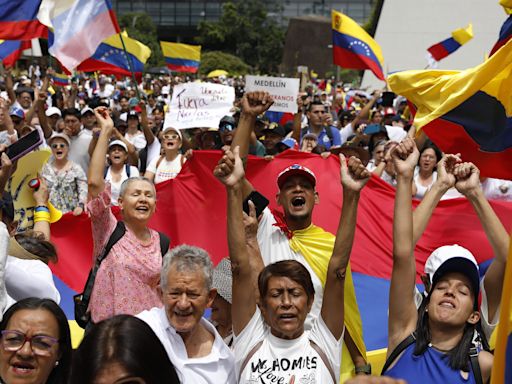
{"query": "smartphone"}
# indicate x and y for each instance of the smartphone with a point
(24, 145)
(371, 128)
(260, 202)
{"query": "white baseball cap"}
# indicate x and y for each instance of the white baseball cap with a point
(453, 258)
(53, 111)
(119, 143)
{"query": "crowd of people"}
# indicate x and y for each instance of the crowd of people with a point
(277, 302)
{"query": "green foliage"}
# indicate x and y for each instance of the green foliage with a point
(141, 27)
(221, 60)
(246, 31)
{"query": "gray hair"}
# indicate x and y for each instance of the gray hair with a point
(130, 180)
(187, 258)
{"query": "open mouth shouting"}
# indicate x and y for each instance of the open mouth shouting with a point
(22, 368)
(298, 202)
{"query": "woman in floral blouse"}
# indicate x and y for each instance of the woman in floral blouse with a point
(66, 180)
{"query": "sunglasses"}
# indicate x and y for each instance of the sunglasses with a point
(57, 146)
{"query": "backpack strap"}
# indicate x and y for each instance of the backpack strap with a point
(165, 242)
(128, 169)
(324, 358)
(159, 161)
(249, 356)
(328, 131)
(398, 350)
(475, 365)
(118, 233)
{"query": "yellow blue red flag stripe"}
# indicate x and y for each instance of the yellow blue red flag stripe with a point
(353, 47)
(181, 57)
(446, 47)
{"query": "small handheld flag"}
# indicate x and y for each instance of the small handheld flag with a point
(446, 47)
(60, 79)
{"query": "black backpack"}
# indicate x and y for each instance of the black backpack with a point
(82, 315)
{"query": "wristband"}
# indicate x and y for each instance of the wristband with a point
(366, 369)
(41, 216)
(42, 208)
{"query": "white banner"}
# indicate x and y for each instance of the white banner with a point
(284, 91)
(199, 105)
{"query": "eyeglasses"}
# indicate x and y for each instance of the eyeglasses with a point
(56, 146)
(171, 137)
(41, 345)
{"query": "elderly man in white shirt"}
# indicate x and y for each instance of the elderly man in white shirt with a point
(194, 346)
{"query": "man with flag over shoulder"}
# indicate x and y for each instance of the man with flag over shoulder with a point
(291, 235)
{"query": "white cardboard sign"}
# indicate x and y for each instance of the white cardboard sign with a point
(196, 105)
(283, 90)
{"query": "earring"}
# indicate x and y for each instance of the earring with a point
(57, 363)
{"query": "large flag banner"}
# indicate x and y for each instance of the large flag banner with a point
(191, 209)
(502, 364)
(110, 57)
(199, 105)
(506, 28)
(78, 28)
(18, 20)
(181, 57)
(466, 112)
(283, 90)
(11, 50)
(446, 47)
(353, 47)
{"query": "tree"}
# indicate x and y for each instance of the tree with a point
(221, 60)
(246, 31)
(140, 26)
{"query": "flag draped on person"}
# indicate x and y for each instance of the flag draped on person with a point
(77, 28)
(467, 112)
(446, 47)
(502, 364)
(18, 20)
(110, 57)
(10, 51)
(181, 57)
(353, 47)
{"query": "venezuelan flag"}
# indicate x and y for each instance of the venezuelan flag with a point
(446, 47)
(79, 27)
(111, 58)
(353, 48)
(18, 20)
(502, 366)
(467, 112)
(181, 57)
(10, 51)
(60, 79)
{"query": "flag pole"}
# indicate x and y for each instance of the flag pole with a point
(130, 65)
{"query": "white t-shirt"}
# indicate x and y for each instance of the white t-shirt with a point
(138, 140)
(79, 149)
(153, 151)
(279, 360)
(274, 247)
(166, 169)
(28, 278)
(497, 189)
(421, 190)
(217, 367)
(115, 188)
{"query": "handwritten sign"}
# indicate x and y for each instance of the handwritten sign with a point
(284, 91)
(199, 105)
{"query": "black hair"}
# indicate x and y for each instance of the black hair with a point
(59, 374)
(436, 150)
(125, 340)
(286, 268)
(71, 112)
(313, 103)
(459, 355)
(35, 243)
